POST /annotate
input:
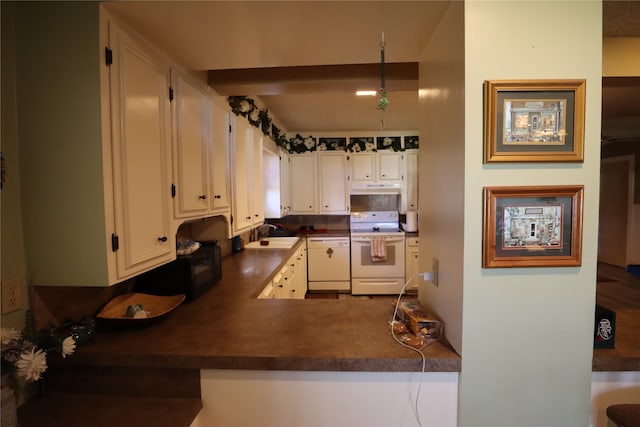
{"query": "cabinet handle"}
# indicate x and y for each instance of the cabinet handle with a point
(163, 239)
(248, 217)
(217, 196)
(326, 206)
(280, 286)
(202, 197)
(256, 215)
(310, 206)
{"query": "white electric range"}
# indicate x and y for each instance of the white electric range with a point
(377, 253)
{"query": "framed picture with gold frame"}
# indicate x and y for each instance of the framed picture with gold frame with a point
(534, 120)
(532, 226)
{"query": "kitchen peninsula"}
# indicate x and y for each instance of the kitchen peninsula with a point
(228, 328)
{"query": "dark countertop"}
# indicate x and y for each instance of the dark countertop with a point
(227, 328)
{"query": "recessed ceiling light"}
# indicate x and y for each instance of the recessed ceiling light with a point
(366, 93)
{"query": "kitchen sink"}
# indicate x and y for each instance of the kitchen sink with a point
(273, 243)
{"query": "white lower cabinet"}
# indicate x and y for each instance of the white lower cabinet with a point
(412, 260)
(291, 281)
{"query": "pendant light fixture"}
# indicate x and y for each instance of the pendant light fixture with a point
(383, 102)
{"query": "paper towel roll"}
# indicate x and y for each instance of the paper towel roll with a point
(412, 221)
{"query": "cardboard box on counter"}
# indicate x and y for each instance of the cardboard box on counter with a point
(418, 320)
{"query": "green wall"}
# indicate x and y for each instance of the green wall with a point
(527, 333)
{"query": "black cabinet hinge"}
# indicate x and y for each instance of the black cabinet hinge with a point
(115, 242)
(108, 56)
(170, 93)
(173, 191)
(229, 128)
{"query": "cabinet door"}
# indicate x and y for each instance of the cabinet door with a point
(285, 201)
(241, 178)
(190, 147)
(304, 183)
(363, 167)
(302, 270)
(410, 184)
(219, 157)
(271, 181)
(141, 156)
(413, 261)
(389, 166)
(256, 198)
(332, 178)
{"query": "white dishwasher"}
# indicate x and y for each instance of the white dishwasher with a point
(329, 264)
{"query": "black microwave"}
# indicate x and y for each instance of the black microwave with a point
(190, 275)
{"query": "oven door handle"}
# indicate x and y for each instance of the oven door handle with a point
(368, 239)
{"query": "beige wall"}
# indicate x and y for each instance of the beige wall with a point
(13, 264)
(528, 332)
(441, 170)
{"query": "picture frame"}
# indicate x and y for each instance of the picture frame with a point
(536, 226)
(534, 120)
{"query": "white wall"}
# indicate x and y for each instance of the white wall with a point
(235, 398)
(527, 332)
(608, 388)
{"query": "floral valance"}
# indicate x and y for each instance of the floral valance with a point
(246, 107)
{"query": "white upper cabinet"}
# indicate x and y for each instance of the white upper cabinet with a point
(410, 182)
(303, 180)
(285, 193)
(257, 185)
(376, 167)
(97, 177)
(332, 182)
(319, 183)
(191, 140)
(389, 166)
(271, 169)
(247, 189)
(363, 167)
(219, 157)
(141, 143)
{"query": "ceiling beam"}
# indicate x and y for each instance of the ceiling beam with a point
(313, 79)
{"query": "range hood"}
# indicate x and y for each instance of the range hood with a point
(375, 188)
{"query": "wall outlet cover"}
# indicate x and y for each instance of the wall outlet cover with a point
(11, 295)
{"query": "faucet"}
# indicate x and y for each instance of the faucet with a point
(260, 230)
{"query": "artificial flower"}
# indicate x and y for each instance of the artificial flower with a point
(68, 347)
(9, 334)
(32, 364)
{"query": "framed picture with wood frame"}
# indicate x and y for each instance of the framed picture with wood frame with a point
(534, 120)
(532, 226)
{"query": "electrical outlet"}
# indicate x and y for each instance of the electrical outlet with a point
(11, 295)
(434, 269)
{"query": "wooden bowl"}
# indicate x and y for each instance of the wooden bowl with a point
(156, 307)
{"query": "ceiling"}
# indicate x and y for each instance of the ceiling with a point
(304, 59)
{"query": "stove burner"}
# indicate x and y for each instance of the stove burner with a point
(376, 228)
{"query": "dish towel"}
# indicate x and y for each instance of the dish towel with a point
(378, 249)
